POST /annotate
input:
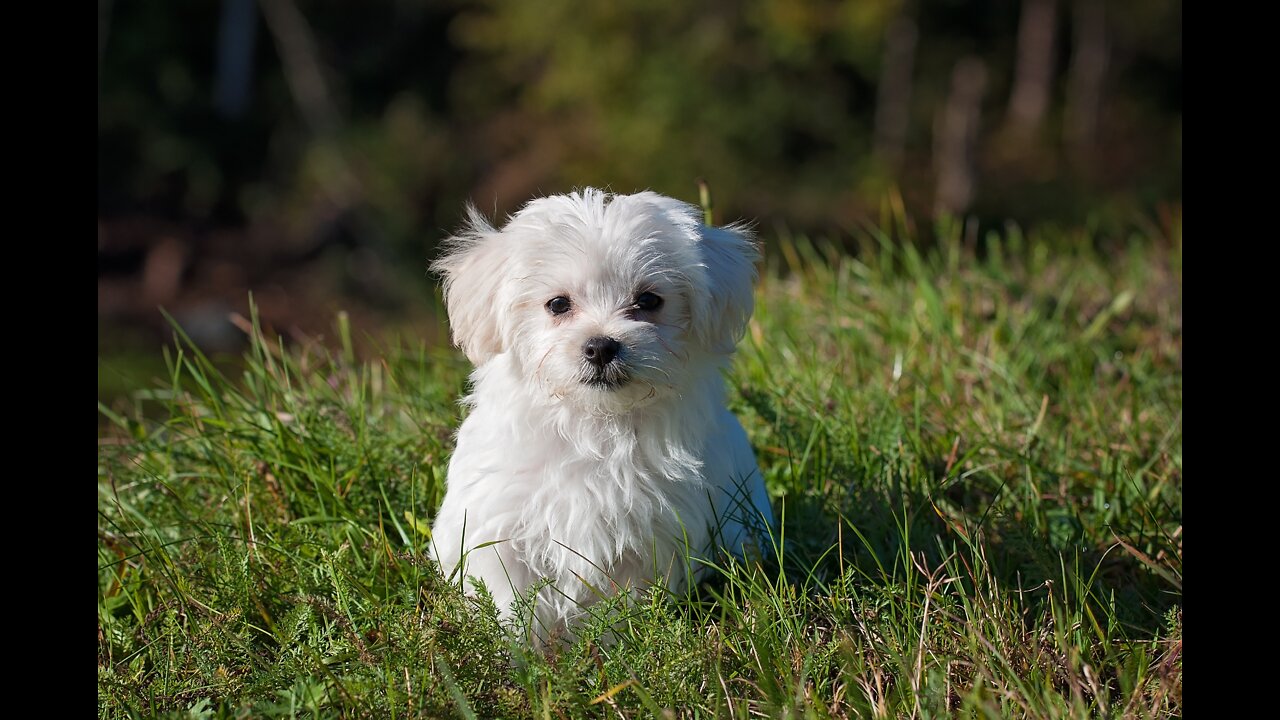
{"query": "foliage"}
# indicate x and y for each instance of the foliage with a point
(771, 101)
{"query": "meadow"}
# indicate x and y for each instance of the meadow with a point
(974, 447)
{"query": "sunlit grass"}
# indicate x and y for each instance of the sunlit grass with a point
(976, 450)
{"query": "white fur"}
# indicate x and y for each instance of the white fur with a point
(595, 489)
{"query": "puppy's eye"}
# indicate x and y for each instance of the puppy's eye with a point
(558, 305)
(648, 301)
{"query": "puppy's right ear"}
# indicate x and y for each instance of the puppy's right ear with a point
(474, 267)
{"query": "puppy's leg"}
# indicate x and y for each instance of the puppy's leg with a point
(470, 558)
(503, 575)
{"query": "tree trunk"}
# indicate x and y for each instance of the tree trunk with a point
(303, 71)
(1089, 59)
(955, 138)
(1033, 73)
(237, 33)
(893, 97)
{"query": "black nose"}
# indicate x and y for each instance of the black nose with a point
(600, 350)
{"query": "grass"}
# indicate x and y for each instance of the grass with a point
(976, 451)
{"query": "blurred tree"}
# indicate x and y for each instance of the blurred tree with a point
(233, 147)
(803, 109)
(1034, 68)
(893, 99)
(237, 39)
(1085, 79)
(956, 138)
(771, 101)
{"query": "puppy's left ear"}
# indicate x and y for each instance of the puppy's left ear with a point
(474, 266)
(722, 308)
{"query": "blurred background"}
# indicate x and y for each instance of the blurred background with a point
(315, 153)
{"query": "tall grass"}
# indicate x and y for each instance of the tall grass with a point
(975, 450)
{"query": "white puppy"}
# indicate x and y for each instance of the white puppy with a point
(598, 454)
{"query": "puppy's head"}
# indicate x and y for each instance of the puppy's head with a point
(602, 300)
